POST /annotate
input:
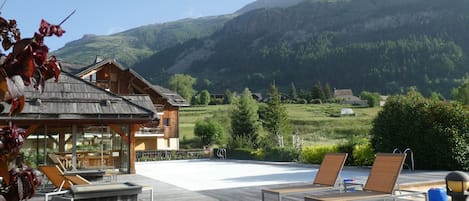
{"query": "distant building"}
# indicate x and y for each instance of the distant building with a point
(347, 97)
(383, 100)
(257, 96)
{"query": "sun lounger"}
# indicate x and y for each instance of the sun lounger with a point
(59, 180)
(78, 188)
(380, 182)
(325, 178)
(89, 174)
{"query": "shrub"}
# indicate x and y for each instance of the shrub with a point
(190, 143)
(347, 148)
(371, 98)
(301, 101)
(241, 154)
(208, 131)
(437, 132)
(363, 154)
(240, 142)
(315, 101)
(315, 154)
(286, 154)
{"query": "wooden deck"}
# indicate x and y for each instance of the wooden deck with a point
(167, 192)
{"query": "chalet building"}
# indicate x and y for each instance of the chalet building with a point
(88, 126)
(161, 134)
(347, 97)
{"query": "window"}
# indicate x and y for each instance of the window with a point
(166, 121)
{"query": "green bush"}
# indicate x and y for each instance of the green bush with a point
(190, 143)
(315, 154)
(301, 101)
(209, 131)
(241, 154)
(315, 101)
(240, 142)
(284, 154)
(363, 154)
(371, 98)
(437, 132)
(347, 148)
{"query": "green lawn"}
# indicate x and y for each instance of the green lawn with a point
(314, 123)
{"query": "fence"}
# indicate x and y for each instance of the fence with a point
(157, 155)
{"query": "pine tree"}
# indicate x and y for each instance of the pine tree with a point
(318, 92)
(275, 118)
(293, 92)
(328, 92)
(245, 118)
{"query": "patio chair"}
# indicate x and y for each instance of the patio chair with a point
(58, 160)
(89, 174)
(380, 182)
(325, 178)
(78, 188)
(59, 180)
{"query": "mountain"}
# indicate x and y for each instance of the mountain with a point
(375, 45)
(259, 4)
(132, 45)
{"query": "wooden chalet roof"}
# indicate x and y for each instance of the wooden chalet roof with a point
(342, 92)
(172, 97)
(141, 100)
(73, 98)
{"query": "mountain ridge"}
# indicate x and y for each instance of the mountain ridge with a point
(295, 44)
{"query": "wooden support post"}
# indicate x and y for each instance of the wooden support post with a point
(61, 142)
(74, 145)
(132, 129)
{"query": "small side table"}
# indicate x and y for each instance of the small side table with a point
(351, 185)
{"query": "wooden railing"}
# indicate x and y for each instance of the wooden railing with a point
(157, 155)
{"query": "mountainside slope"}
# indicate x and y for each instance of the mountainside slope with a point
(376, 45)
(130, 46)
(258, 4)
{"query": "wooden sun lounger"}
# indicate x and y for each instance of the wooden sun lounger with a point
(326, 177)
(78, 188)
(380, 182)
(59, 180)
(89, 174)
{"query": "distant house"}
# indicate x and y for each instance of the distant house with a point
(161, 134)
(347, 97)
(257, 96)
(383, 100)
(218, 97)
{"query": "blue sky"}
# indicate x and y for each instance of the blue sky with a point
(103, 17)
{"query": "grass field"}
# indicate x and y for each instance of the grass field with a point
(314, 123)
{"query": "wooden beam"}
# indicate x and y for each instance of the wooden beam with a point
(68, 139)
(52, 138)
(119, 131)
(30, 130)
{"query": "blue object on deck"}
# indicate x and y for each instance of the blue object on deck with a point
(437, 194)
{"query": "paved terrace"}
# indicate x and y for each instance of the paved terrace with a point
(233, 180)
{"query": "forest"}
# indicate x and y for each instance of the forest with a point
(374, 46)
